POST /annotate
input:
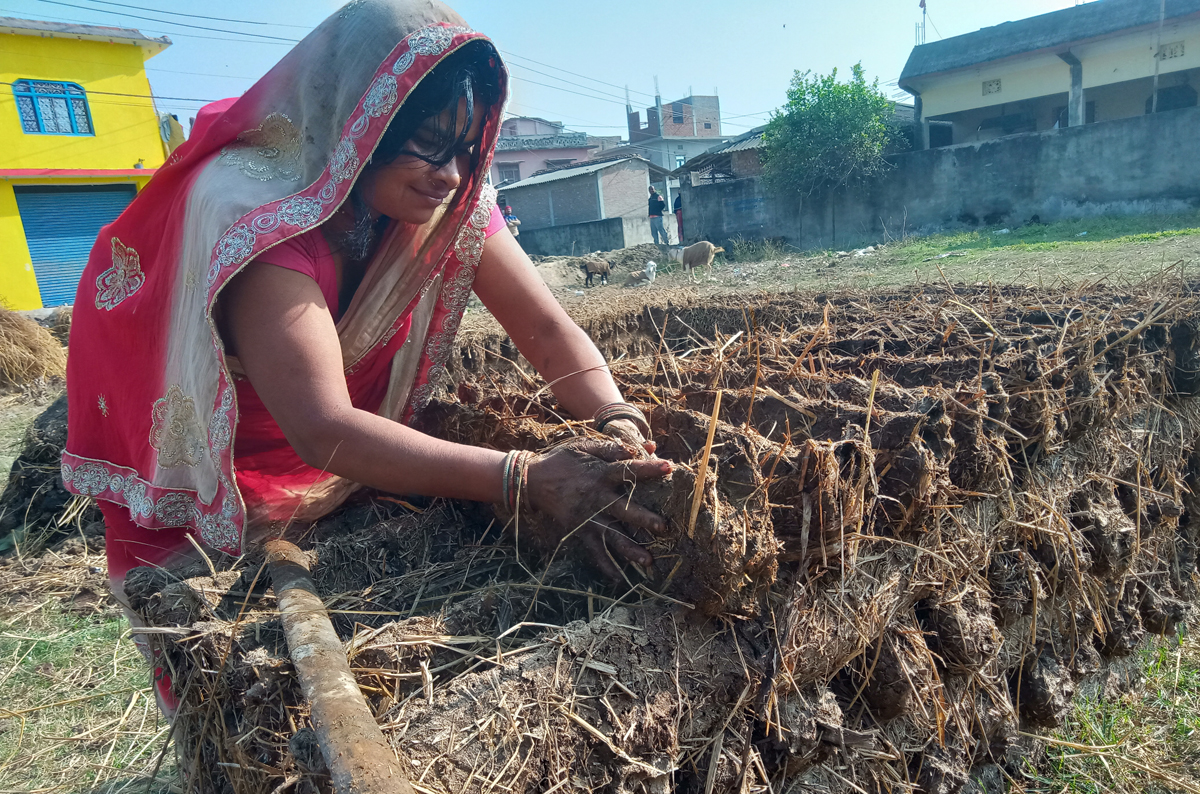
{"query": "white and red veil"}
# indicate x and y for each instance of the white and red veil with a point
(153, 408)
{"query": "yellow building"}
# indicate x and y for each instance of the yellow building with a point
(79, 136)
(1089, 63)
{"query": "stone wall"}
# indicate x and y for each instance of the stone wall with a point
(1147, 164)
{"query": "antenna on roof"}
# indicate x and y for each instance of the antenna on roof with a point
(628, 107)
(656, 91)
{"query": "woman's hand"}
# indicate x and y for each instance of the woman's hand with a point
(584, 488)
(629, 434)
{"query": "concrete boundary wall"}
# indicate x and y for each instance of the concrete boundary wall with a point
(1146, 164)
(577, 239)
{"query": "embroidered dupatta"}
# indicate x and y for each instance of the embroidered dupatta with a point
(152, 409)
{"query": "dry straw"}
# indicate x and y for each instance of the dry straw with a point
(28, 352)
(939, 512)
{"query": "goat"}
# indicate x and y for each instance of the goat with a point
(699, 255)
(675, 253)
(645, 276)
(595, 267)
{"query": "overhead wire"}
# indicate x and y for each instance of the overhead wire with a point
(575, 119)
(53, 18)
(201, 16)
(203, 74)
(306, 27)
(148, 68)
(89, 92)
(599, 93)
(595, 94)
(575, 74)
(602, 97)
(173, 22)
(282, 39)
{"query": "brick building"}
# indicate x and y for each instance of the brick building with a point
(738, 158)
(675, 132)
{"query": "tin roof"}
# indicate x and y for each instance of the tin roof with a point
(751, 140)
(570, 171)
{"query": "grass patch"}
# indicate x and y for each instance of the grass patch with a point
(1118, 251)
(1148, 740)
(1050, 236)
(76, 710)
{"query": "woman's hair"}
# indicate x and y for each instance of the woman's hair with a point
(472, 74)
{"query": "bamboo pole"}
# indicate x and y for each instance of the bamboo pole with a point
(360, 761)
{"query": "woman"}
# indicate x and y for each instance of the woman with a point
(254, 335)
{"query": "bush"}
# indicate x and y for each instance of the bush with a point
(829, 135)
(744, 250)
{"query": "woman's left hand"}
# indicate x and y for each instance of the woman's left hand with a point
(627, 432)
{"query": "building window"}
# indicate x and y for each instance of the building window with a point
(680, 160)
(509, 172)
(1175, 97)
(991, 87)
(676, 112)
(708, 125)
(941, 133)
(52, 108)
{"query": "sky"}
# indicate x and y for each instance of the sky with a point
(570, 61)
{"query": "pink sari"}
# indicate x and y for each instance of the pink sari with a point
(155, 403)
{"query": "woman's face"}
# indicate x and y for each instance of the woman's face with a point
(410, 190)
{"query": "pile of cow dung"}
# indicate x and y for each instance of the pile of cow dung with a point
(35, 509)
(928, 518)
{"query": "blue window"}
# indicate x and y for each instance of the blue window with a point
(52, 108)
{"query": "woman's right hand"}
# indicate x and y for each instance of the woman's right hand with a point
(584, 487)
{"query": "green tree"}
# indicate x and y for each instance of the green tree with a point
(830, 135)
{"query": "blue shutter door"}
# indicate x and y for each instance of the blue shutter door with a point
(60, 228)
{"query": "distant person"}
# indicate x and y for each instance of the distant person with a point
(678, 208)
(657, 208)
(513, 223)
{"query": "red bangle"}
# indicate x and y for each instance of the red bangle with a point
(515, 478)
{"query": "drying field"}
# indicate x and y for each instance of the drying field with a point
(929, 519)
